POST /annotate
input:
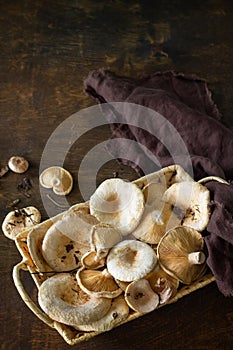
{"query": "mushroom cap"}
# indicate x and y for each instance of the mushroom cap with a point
(156, 220)
(130, 260)
(193, 200)
(18, 220)
(60, 252)
(62, 300)
(140, 297)
(57, 178)
(90, 260)
(98, 283)
(118, 313)
(163, 284)
(118, 203)
(34, 243)
(176, 248)
(103, 238)
(18, 164)
(77, 225)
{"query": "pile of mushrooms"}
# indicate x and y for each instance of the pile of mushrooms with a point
(128, 250)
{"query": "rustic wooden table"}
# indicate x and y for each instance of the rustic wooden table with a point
(47, 49)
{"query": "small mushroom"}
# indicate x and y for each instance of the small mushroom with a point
(103, 238)
(118, 313)
(16, 221)
(130, 260)
(193, 201)
(140, 297)
(57, 178)
(91, 261)
(163, 284)
(118, 203)
(180, 254)
(18, 164)
(62, 300)
(60, 252)
(98, 283)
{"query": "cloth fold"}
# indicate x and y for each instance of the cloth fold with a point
(186, 103)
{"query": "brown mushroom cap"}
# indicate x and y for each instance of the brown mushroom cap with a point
(57, 178)
(18, 164)
(98, 283)
(90, 260)
(180, 254)
(140, 297)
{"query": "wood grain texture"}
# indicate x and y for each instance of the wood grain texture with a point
(47, 49)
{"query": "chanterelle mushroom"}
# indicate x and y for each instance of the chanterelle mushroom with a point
(130, 260)
(18, 164)
(193, 200)
(140, 296)
(180, 254)
(62, 299)
(16, 221)
(57, 178)
(118, 203)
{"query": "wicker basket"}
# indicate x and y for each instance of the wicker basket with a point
(69, 334)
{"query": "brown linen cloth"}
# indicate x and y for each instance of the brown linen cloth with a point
(185, 101)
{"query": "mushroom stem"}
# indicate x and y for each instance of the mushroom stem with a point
(196, 258)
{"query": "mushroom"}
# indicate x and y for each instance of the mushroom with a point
(163, 284)
(57, 178)
(77, 225)
(118, 313)
(16, 221)
(62, 300)
(91, 261)
(193, 201)
(60, 252)
(103, 238)
(130, 260)
(34, 243)
(118, 203)
(157, 219)
(140, 297)
(18, 164)
(98, 283)
(180, 254)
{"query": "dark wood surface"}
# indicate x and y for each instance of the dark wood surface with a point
(47, 49)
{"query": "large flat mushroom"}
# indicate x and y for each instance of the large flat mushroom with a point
(118, 203)
(62, 300)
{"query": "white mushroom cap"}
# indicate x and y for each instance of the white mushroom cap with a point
(118, 203)
(140, 296)
(77, 225)
(180, 254)
(16, 221)
(103, 238)
(130, 260)
(193, 200)
(62, 300)
(18, 164)
(118, 313)
(98, 283)
(60, 252)
(57, 178)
